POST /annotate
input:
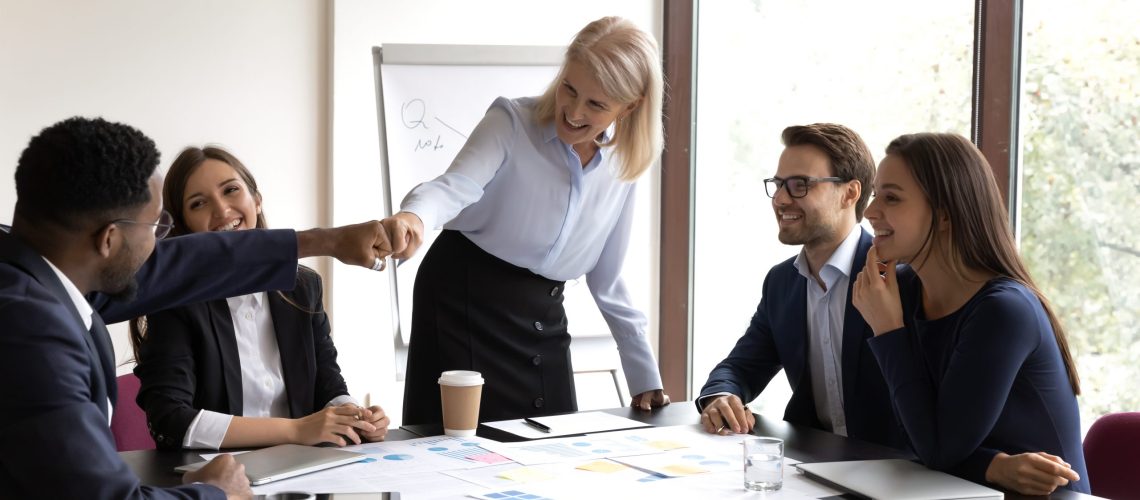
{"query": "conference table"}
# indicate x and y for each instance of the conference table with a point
(155, 467)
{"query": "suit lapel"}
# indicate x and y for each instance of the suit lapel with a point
(106, 356)
(286, 325)
(855, 331)
(222, 326)
(798, 323)
(102, 384)
(14, 251)
(793, 346)
(99, 386)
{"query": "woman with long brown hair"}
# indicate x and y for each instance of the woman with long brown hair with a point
(253, 370)
(975, 358)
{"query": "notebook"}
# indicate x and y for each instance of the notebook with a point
(896, 480)
(284, 461)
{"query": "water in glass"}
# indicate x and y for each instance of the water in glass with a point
(763, 471)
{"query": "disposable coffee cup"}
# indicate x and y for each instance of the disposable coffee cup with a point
(460, 391)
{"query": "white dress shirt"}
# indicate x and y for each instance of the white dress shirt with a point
(521, 194)
(262, 379)
(85, 312)
(826, 308)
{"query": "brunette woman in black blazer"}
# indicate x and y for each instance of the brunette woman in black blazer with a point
(254, 370)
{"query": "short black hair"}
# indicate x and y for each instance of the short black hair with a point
(81, 169)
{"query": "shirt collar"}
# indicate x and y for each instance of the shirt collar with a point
(254, 299)
(81, 304)
(843, 258)
(840, 262)
(550, 133)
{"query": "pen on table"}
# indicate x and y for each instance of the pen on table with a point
(536, 425)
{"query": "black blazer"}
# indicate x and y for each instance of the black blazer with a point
(189, 360)
(58, 375)
(778, 338)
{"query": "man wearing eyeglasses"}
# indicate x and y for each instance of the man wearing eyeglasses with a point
(805, 322)
(83, 248)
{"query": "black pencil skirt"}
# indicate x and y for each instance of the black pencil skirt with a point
(474, 311)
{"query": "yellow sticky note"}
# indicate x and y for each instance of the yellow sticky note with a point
(684, 470)
(664, 445)
(603, 466)
(525, 474)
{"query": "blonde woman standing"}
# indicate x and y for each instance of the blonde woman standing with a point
(541, 193)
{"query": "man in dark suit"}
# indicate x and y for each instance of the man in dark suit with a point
(82, 248)
(805, 322)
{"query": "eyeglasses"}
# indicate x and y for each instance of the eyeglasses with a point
(797, 185)
(161, 228)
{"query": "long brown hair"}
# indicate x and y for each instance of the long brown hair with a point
(959, 183)
(174, 186)
(173, 193)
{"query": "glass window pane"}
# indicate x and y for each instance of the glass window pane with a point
(883, 68)
(1080, 186)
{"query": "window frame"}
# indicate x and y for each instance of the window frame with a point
(996, 87)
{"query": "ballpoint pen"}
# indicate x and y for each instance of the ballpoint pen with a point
(536, 425)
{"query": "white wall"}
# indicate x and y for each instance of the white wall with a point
(362, 317)
(255, 76)
(250, 75)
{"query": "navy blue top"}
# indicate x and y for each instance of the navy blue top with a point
(985, 379)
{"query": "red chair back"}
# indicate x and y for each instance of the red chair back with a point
(1112, 456)
(128, 422)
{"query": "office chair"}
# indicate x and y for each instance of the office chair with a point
(590, 401)
(128, 422)
(1112, 455)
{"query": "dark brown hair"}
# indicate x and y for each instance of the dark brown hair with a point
(958, 182)
(174, 187)
(850, 157)
(173, 192)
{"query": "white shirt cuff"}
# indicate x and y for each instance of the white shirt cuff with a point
(207, 430)
(344, 399)
(701, 401)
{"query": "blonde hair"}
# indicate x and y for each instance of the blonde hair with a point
(625, 61)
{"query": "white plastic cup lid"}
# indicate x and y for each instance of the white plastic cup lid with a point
(460, 378)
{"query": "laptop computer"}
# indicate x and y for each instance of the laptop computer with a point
(896, 480)
(284, 461)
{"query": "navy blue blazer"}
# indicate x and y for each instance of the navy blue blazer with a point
(189, 360)
(55, 439)
(985, 379)
(778, 338)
